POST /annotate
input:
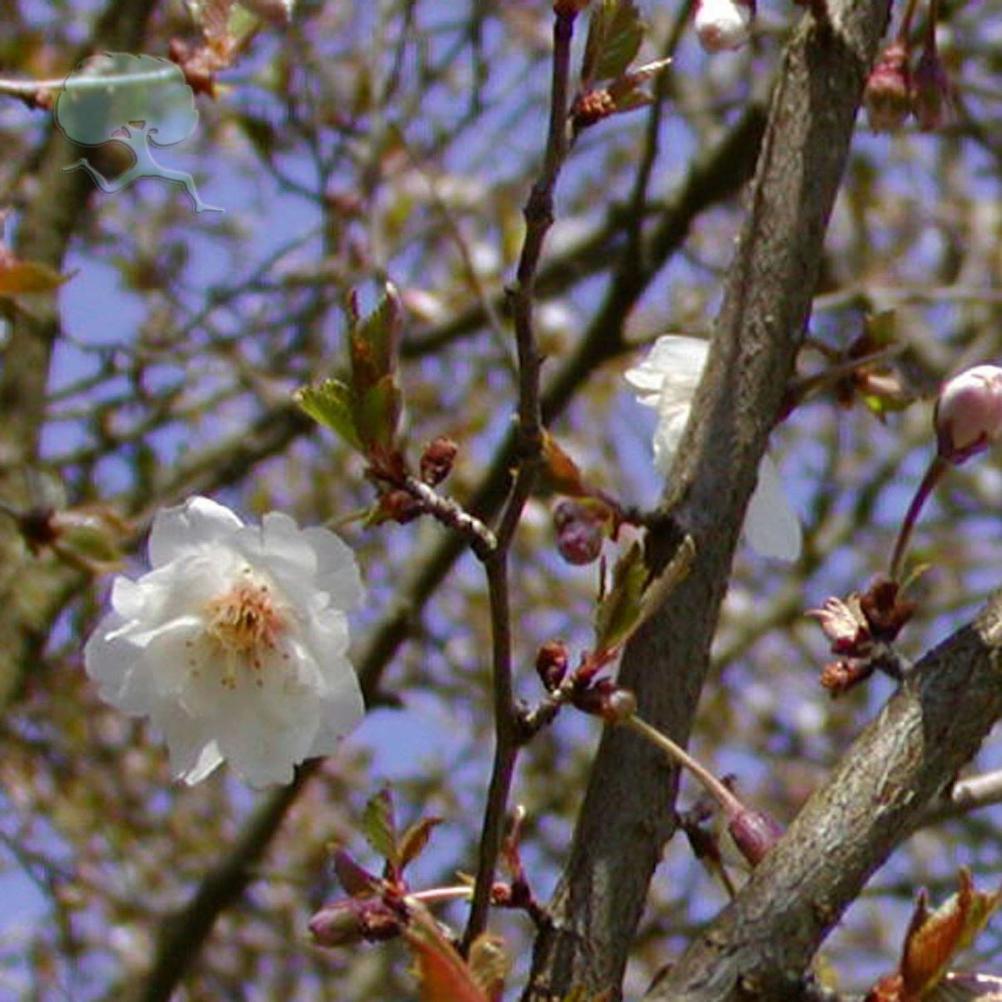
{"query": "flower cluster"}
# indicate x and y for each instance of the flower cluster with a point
(667, 379)
(235, 643)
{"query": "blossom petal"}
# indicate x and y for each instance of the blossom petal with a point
(263, 738)
(188, 526)
(337, 569)
(667, 436)
(771, 526)
(339, 715)
(193, 755)
(673, 366)
(110, 660)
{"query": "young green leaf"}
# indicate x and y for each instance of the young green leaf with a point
(330, 403)
(376, 413)
(374, 341)
(379, 826)
(615, 33)
(935, 938)
(415, 839)
(622, 605)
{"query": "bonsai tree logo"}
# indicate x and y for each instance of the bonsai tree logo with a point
(116, 97)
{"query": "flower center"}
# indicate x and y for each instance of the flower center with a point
(245, 622)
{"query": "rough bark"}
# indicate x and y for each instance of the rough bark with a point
(627, 814)
(759, 947)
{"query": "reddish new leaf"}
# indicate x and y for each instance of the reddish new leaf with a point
(415, 839)
(934, 939)
(443, 973)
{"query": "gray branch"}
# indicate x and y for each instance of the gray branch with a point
(628, 811)
(759, 947)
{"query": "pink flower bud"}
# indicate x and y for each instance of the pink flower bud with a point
(580, 533)
(754, 833)
(351, 920)
(724, 24)
(437, 460)
(968, 414)
(888, 90)
(551, 664)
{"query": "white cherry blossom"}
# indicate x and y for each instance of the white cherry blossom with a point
(235, 643)
(666, 380)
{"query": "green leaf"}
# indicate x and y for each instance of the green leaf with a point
(622, 606)
(377, 412)
(615, 33)
(415, 839)
(374, 341)
(330, 403)
(379, 826)
(881, 329)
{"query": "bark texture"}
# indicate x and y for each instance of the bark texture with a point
(759, 947)
(628, 810)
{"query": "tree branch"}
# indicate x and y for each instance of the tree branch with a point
(712, 178)
(628, 813)
(759, 947)
(529, 443)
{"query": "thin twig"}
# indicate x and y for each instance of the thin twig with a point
(937, 468)
(449, 512)
(538, 218)
(728, 802)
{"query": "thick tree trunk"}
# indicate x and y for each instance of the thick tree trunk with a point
(627, 814)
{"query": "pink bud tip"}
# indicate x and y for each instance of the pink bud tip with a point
(968, 413)
(888, 90)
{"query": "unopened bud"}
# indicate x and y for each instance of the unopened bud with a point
(592, 107)
(884, 610)
(838, 677)
(551, 664)
(501, 894)
(724, 24)
(354, 919)
(968, 414)
(579, 532)
(754, 833)
(355, 879)
(437, 460)
(888, 96)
